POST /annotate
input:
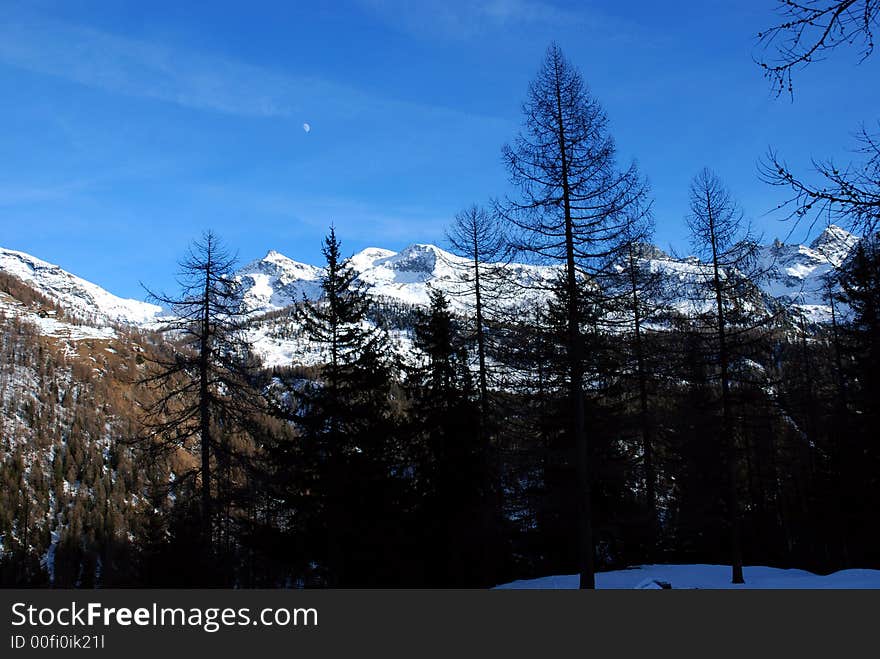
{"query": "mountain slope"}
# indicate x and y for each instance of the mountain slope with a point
(275, 281)
(78, 297)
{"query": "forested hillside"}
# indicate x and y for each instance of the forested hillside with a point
(72, 497)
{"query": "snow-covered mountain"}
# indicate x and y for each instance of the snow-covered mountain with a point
(794, 275)
(275, 281)
(78, 297)
(407, 275)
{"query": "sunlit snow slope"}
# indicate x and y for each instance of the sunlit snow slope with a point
(76, 296)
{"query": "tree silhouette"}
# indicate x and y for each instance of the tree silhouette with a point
(204, 378)
(572, 211)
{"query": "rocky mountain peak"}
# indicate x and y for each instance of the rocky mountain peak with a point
(834, 244)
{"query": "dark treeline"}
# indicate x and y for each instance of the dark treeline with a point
(373, 470)
(614, 419)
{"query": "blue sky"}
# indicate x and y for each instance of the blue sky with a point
(129, 127)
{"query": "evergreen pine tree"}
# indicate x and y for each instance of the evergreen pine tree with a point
(859, 450)
(458, 511)
(345, 469)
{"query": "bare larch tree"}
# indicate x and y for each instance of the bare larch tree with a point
(204, 380)
(719, 236)
(571, 211)
(477, 235)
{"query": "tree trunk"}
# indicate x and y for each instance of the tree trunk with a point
(644, 417)
(481, 337)
(205, 411)
(726, 420)
(576, 374)
(841, 458)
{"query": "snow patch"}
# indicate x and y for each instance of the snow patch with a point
(708, 577)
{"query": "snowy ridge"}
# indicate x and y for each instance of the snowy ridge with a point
(797, 275)
(76, 296)
(794, 277)
(793, 274)
(409, 275)
(276, 281)
(834, 244)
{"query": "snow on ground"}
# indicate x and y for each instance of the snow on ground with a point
(61, 330)
(49, 325)
(296, 350)
(707, 577)
(48, 559)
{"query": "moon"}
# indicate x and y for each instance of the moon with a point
(307, 128)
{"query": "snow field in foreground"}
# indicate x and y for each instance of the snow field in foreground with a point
(707, 576)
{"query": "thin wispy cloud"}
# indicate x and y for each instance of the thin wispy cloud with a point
(148, 69)
(365, 222)
(169, 73)
(470, 20)
(17, 194)
(294, 217)
(525, 11)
